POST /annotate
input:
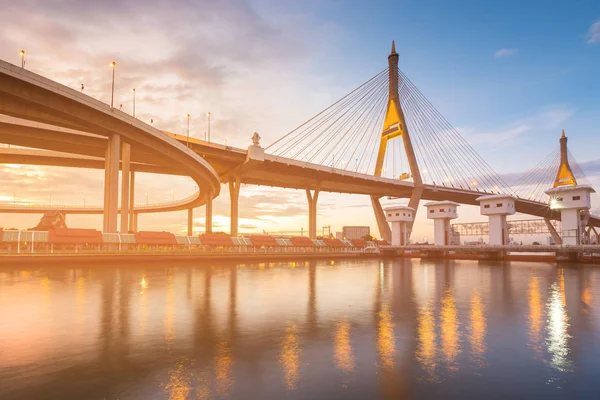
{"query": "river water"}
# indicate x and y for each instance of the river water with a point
(364, 329)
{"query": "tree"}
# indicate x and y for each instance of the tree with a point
(368, 238)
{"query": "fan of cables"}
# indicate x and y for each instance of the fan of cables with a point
(536, 181)
(347, 135)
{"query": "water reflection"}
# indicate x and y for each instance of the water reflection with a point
(477, 329)
(535, 317)
(386, 346)
(245, 332)
(426, 347)
(558, 323)
(290, 356)
(343, 357)
(449, 326)
(223, 368)
(180, 379)
(169, 318)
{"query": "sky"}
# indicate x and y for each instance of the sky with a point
(508, 75)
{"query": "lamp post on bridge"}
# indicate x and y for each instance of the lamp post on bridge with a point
(113, 65)
(188, 130)
(133, 102)
(208, 114)
(22, 59)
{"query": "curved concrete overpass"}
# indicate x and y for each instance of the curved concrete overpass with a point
(106, 132)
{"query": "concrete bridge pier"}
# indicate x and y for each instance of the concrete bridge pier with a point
(209, 212)
(134, 222)
(111, 184)
(234, 196)
(125, 187)
(312, 211)
(132, 216)
(190, 221)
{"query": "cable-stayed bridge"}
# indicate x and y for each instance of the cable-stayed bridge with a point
(384, 139)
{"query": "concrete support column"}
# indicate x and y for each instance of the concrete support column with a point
(132, 201)
(125, 188)
(134, 221)
(498, 230)
(312, 211)
(441, 226)
(111, 184)
(209, 212)
(190, 222)
(234, 195)
(384, 227)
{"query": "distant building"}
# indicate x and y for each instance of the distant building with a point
(453, 237)
(339, 235)
(355, 232)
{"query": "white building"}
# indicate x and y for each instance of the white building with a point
(497, 207)
(441, 212)
(401, 218)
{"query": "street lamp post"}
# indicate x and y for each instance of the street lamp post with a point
(133, 102)
(188, 130)
(208, 126)
(22, 58)
(113, 65)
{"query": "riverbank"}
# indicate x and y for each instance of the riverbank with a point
(11, 260)
(134, 258)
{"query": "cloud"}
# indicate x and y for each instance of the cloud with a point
(543, 121)
(502, 53)
(593, 34)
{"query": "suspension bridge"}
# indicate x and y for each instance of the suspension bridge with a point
(383, 139)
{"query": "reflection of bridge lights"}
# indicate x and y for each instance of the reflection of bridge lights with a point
(386, 347)
(478, 328)
(536, 314)
(343, 357)
(144, 283)
(558, 324)
(426, 347)
(449, 328)
(290, 357)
